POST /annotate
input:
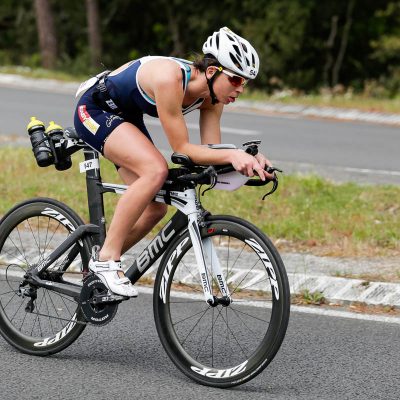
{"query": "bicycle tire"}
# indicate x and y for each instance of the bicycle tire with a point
(214, 356)
(28, 233)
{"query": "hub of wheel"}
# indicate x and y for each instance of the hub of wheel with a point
(224, 301)
(98, 306)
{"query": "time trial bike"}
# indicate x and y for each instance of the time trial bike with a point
(221, 295)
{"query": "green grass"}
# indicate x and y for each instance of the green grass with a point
(41, 73)
(306, 213)
(310, 298)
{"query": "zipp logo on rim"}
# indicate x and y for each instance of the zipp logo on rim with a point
(59, 217)
(60, 335)
(167, 270)
(220, 373)
(267, 263)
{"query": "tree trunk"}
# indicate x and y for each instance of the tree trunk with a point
(173, 25)
(343, 43)
(47, 34)
(94, 32)
(329, 46)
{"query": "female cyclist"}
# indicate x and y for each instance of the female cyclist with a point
(109, 118)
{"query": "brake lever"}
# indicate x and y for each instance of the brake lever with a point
(212, 173)
(271, 169)
(274, 187)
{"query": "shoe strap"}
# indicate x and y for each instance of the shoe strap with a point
(123, 281)
(115, 278)
(106, 266)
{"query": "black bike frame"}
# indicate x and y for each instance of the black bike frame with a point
(97, 230)
(95, 192)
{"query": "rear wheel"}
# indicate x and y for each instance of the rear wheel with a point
(33, 319)
(228, 344)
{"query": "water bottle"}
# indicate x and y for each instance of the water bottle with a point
(40, 143)
(55, 133)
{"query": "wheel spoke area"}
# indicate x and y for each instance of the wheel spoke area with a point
(32, 311)
(221, 336)
(45, 315)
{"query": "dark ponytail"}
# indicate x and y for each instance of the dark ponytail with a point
(202, 62)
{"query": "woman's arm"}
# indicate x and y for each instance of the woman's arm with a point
(168, 93)
(210, 123)
(210, 130)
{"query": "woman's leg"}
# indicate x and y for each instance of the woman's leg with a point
(152, 214)
(129, 148)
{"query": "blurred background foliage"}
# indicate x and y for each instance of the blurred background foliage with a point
(304, 45)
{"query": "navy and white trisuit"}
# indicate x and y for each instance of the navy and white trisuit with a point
(94, 123)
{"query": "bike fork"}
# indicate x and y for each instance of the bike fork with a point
(205, 253)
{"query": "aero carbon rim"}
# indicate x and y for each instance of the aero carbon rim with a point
(223, 345)
(40, 321)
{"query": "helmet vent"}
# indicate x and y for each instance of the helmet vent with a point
(236, 49)
(247, 61)
(244, 46)
(231, 38)
(217, 40)
(253, 60)
(235, 61)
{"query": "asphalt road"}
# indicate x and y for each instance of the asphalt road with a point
(339, 150)
(321, 358)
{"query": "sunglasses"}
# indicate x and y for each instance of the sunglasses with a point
(235, 80)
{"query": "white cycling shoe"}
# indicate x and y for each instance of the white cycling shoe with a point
(113, 276)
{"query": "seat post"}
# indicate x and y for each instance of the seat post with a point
(95, 193)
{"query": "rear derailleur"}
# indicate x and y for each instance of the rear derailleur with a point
(30, 291)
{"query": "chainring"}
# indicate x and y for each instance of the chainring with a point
(96, 313)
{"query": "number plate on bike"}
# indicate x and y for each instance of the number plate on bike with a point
(88, 165)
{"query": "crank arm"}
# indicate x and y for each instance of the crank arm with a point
(107, 299)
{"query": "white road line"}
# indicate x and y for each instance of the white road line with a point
(345, 314)
(339, 169)
(224, 129)
(303, 309)
(372, 171)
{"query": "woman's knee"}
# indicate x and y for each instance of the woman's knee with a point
(156, 173)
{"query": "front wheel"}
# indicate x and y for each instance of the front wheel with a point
(224, 345)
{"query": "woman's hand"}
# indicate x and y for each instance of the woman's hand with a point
(246, 164)
(264, 162)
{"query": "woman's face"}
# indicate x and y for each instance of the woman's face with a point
(225, 92)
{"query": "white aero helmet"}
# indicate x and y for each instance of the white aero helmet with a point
(233, 52)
